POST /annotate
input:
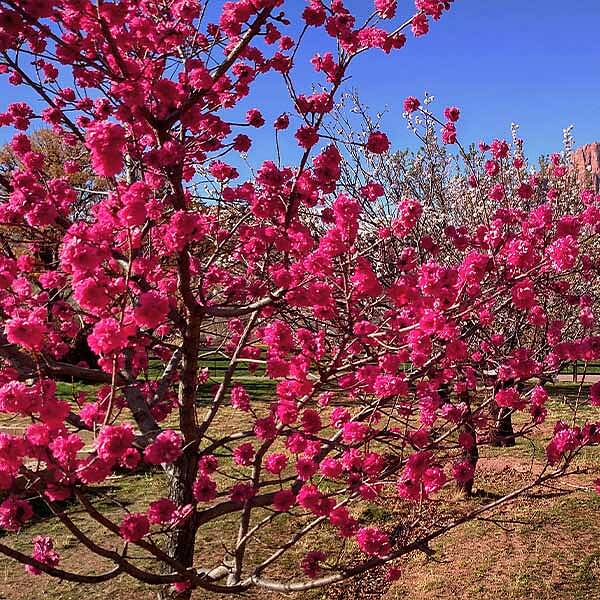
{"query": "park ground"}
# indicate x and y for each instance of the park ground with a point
(545, 545)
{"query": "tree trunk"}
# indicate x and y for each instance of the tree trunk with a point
(181, 542)
(502, 434)
(472, 456)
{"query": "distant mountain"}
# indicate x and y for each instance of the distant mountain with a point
(587, 162)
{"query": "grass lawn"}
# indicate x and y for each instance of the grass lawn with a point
(545, 545)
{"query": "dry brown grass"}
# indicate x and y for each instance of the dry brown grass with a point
(544, 545)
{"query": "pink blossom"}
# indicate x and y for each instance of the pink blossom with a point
(563, 253)
(411, 104)
(14, 512)
(208, 464)
(109, 335)
(43, 551)
(433, 8)
(255, 118)
(204, 489)
(135, 199)
(311, 421)
(378, 142)
(386, 8)
(409, 213)
(113, 441)
(287, 411)
(240, 398)
(134, 527)
(38, 434)
(152, 310)
(339, 416)
(452, 113)
(310, 498)
(523, 294)
(463, 471)
(107, 143)
(284, 500)
(65, 448)
(466, 440)
(420, 25)
(265, 429)
(433, 479)
(278, 336)
(595, 394)
(94, 469)
(499, 149)
(28, 333)
(372, 191)
(306, 468)
(130, 459)
(243, 455)
(282, 122)
(307, 136)
(565, 440)
(386, 386)
(311, 563)
(241, 493)
(222, 171)
(91, 294)
(492, 168)
(275, 463)
(373, 542)
(354, 432)
(18, 398)
(341, 519)
(365, 280)
(509, 398)
(165, 449)
(161, 511)
(331, 468)
(525, 191)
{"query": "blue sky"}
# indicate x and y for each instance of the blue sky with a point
(534, 62)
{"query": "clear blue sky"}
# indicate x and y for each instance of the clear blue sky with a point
(534, 62)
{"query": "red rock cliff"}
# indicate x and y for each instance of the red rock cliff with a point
(587, 162)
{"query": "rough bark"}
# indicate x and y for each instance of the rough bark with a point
(181, 541)
(502, 434)
(472, 456)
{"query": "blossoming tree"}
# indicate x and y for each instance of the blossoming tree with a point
(375, 385)
(453, 195)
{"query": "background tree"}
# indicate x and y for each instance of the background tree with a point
(453, 195)
(61, 162)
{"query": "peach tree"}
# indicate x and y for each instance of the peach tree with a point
(129, 281)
